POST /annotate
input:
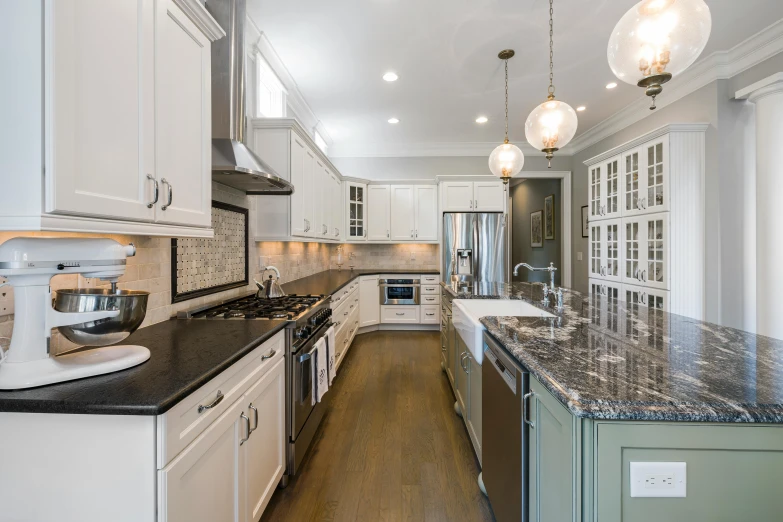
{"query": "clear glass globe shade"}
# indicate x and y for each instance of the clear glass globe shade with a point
(506, 160)
(551, 125)
(658, 36)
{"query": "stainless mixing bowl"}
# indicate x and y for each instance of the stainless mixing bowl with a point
(132, 305)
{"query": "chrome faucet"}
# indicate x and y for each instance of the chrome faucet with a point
(551, 269)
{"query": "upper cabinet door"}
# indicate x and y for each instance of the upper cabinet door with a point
(611, 254)
(612, 198)
(357, 211)
(426, 202)
(309, 190)
(99, 88)
(183, 130)
(378, 205)
(457, 196)
(337, 208)
(632, 183)
(489, 196)
(403, 222)
(656, 175)
(299, 208)
(596, 192)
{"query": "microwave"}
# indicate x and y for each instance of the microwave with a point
(400, 291)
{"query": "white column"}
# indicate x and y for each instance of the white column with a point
(768, 97)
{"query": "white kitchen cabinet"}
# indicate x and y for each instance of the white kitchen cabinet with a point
(370, 299)
(314, 210)
(120, 99)
(660, 199)
(652, 298)
(202, 482)
(430, 314)
(606, 199)
(402, 216)
(472, 196)
(183, 118)
(262, 456)
(356, 219)
(378, 212)
(400, 314)
(474, 408)
(426, 212)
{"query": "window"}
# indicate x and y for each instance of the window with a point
(320, 141)
(270, 93)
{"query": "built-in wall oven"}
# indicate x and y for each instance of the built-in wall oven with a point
(400, 291)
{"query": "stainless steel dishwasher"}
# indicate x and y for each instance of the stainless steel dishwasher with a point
(505, 440)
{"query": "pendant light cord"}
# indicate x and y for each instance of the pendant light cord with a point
(506, 100)
(551, 50)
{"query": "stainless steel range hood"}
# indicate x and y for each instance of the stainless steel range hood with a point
(233, 164)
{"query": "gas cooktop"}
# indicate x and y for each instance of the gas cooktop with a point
(252, 307)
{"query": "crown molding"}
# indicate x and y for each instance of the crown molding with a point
(641, 140)
(433, 149)
(198, 14)
(720, 65)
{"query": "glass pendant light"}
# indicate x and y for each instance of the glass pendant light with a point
(506, 160)
(551, 125)
(658, 39)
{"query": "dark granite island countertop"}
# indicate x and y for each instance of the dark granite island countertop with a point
(611, 360)
(184, 356)
(330, 281)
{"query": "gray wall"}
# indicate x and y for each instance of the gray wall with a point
(421, 168)
(729, 191)
(528, 197)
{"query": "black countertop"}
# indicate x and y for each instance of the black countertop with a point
(605, 359)
(185, 355)
(330, 281)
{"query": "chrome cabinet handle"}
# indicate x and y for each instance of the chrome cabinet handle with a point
(155, 200)
(417, 233)
(247, 424)
(346, 313)
(255, 416)
(387, 233)
(411, 232)
(171, 193)
(430, 314)
(526, 410)
(644, 275)
(268, 356)
(400, 313)
(202, 408)
(476, 205)
(471, 203)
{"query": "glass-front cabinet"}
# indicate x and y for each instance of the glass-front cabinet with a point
(356, 216)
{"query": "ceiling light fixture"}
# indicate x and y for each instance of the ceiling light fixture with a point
(551, 125)
(581, 108)
(611, 85)
(506, 160)
(482, 119)
(657, 40)
(390, 77)
(394, 120)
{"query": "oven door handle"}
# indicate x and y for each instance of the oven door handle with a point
(304, 357)
(398, 286)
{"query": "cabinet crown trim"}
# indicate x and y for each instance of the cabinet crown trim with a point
(641, 140)
(198, 14)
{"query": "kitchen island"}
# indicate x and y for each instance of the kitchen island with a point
(614, 383)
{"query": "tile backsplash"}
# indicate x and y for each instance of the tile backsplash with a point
(150, 269)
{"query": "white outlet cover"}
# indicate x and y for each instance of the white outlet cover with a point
(578, 256)
(658, 479)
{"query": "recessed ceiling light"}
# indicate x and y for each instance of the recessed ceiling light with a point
(611, 85)
(394, 120)
(482, 119)
(390, 77)
(581, 108)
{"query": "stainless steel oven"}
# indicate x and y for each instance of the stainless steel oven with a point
(400, 291)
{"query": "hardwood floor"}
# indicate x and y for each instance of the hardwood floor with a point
(390, 448)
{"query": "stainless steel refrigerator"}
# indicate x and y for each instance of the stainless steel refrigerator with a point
(475, 247)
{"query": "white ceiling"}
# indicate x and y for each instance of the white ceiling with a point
(445, 52)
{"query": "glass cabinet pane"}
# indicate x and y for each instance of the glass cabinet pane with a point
(611, 187)
(595, 191)
(631, 249)
(612, 251)
(655, 175)
(655, 268)
(631, 181)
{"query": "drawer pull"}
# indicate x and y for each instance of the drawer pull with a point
(430, 314)
(400, 313)
(218, 400)
(247, 424)
(269, 356)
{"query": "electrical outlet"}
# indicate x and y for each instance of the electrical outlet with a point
(658, 479)
(578, 256)
(413, 255)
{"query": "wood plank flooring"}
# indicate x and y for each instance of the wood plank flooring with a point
(391, 448)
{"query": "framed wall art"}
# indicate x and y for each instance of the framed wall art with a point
(537, 229)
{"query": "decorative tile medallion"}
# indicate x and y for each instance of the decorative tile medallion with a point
(207, 266)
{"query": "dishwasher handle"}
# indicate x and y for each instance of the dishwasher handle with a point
(509, 377)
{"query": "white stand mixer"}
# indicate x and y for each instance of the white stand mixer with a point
(29, 265)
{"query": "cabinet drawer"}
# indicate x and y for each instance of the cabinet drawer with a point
(400, 314)
(430, 289)
(430, 279)
(180, 426)
(344, 293)
(430, 314)
(430, 300)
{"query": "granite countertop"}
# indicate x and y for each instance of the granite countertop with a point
(611, 360)
(185, 355)
(330, 281)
